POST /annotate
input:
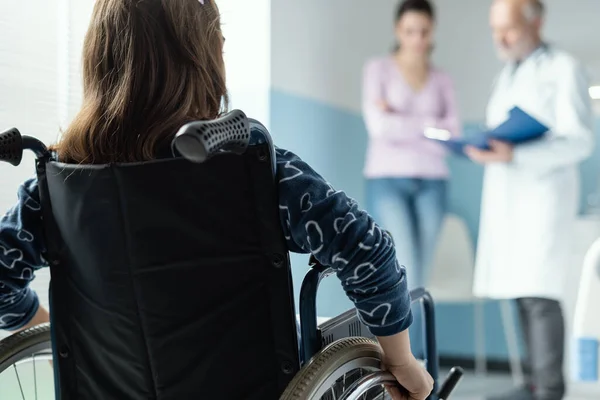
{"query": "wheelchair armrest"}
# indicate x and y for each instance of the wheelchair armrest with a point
(428, 308)
(310, 334)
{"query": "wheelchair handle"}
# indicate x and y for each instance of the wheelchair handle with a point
(200, 140)
(13, 144)
(233, 132)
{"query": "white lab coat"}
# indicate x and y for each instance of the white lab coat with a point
(529, 206)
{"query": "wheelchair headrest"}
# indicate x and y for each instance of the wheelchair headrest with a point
(196, 141)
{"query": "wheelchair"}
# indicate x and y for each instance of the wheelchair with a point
(170, 279)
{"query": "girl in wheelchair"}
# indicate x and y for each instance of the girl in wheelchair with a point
(151, 66)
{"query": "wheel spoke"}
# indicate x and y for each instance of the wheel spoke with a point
(364, 396)
(35, 379)
(19, 380)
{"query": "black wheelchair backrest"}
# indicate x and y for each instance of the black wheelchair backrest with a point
(170, 279)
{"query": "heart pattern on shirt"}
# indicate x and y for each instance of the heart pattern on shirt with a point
(305, 204)
(336, 260)
(364, 247)
(5, 319)
(314, 237)
(367, 291)
(341, 224)
(386, 306)
(32, 204)
(10, 257)
(297, 172)
(25, 236)
(357, 278)
(26, 274)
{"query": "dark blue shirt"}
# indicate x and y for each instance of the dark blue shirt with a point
(316, 218)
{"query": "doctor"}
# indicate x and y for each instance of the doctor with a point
(531, 192)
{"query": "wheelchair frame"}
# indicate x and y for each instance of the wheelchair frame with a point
(314, 337)
(190, 144)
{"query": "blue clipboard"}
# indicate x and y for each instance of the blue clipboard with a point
(519, 128)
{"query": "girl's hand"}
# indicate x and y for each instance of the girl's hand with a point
(400, 362)
(414, 379)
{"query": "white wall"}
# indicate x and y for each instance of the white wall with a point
(247, 31)
(465, 50)
(40, 74)
(319, 47)
(28, 83)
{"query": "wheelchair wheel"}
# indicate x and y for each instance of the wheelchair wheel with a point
(26, 365)
(334, 371)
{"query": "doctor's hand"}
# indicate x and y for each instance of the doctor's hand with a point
(500, 152)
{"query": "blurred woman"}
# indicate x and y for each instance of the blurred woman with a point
(407, 175)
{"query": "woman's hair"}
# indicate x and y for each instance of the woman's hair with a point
(422, 6)
(149, 66)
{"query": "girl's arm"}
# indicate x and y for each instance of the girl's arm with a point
(21, 246)
(323, 221)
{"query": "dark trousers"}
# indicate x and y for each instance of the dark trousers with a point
(544, 332)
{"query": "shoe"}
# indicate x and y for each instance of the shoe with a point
(516, 394)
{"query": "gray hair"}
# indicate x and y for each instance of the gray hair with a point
(533, 9)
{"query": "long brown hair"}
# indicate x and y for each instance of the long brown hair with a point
(149, 66)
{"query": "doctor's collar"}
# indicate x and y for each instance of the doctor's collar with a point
(542, 48)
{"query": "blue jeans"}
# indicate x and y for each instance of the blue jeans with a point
(412, 210)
